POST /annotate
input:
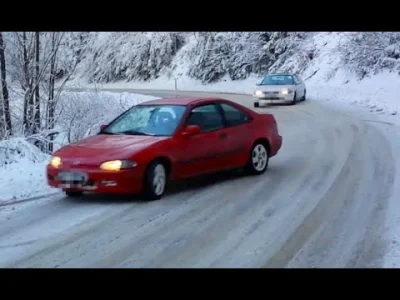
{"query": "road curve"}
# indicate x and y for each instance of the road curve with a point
(322, 203)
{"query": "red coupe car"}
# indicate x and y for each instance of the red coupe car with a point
(166, 139)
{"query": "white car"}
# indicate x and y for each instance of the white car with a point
(279, 88)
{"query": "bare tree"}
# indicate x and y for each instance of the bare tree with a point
(55, 63)
(25, 55)
(5, 114)
(51, 104)
(36, 115)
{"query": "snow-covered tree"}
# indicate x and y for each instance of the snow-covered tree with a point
(368, 53)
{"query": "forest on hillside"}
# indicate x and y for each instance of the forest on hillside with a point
(35, 66)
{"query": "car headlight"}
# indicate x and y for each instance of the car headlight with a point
(258, 93)
(116, 165)
(286, 91)
(55, 162)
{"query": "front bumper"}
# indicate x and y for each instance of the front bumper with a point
(99, 181)
(269, 98)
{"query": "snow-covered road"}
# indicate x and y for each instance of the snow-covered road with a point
(322, 203)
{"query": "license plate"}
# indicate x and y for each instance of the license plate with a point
(72, 177)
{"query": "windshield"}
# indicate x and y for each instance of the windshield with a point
(157, 120)
(278, 80)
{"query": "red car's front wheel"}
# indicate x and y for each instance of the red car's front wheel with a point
(73, 194)
(155, 182)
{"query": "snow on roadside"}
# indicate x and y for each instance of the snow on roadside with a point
(378, 94)
(22, 165)
(183, 84)
(22, 170)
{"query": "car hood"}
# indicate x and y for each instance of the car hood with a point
(273, 88)
(99, 148)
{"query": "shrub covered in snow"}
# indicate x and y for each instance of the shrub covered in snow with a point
(82, 113)
(78, 114)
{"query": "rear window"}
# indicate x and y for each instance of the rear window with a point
(278, 80)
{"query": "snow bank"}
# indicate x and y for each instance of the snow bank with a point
(22, 165)
(22, 170)
(379, 93)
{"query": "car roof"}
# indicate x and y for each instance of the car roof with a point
(186, 101)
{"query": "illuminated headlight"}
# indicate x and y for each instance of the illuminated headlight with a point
(258, 93)
(55, 162)
(116, 165)
(286, 91)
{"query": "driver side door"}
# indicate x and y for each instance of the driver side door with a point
(201, 153)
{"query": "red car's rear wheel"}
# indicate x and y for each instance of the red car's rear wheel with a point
(258, 158)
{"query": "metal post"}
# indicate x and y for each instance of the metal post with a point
(176, 87)
(176, 79)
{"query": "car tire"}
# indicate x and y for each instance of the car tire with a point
(258, 159)
(256, 104)
(304, 96)
(73, 194)
(155, 181)
(294, 101)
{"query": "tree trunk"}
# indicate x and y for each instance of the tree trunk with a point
(51, 100)
(25, 83)
(36, 115)
(6, 116)
(27, 86)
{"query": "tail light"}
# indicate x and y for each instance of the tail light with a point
(272, 122)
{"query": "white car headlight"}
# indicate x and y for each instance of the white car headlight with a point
(286, 91)
(258, 93)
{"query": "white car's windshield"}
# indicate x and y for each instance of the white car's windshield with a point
(278, 80)
(156, 120)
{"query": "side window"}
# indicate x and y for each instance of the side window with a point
(299, 80)
(233, 115)
(296, 79)
(207, 117)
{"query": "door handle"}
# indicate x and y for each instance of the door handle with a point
(223, 136)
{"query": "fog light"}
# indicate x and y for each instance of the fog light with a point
(109, 183)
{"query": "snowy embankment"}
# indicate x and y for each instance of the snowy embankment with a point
(22, 165)
(378, 94)
(326, 78)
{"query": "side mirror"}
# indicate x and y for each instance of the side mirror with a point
(191, 130)
(102, 126)
(258, 84)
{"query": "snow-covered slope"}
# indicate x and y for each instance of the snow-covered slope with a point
(210, 56)
(351, 68)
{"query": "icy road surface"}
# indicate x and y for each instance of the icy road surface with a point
(322, 203)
